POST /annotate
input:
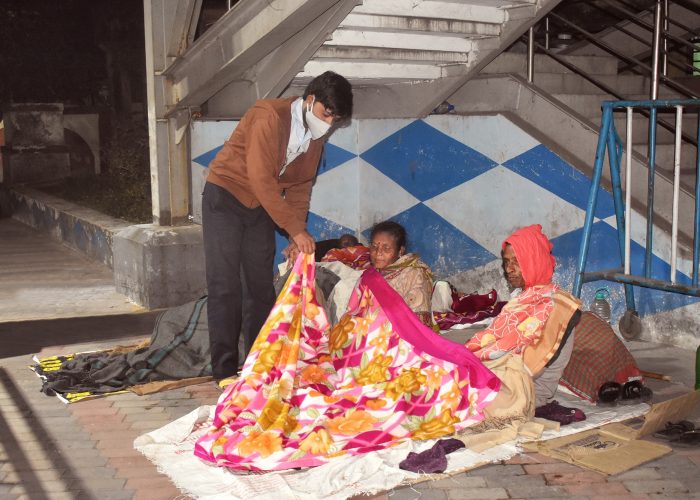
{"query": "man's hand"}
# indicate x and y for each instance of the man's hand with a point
(304, 242)
(291, 252)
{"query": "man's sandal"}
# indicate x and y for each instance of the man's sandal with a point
(689, 439)
(674, 430)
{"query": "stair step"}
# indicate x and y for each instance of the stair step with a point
(514, 62)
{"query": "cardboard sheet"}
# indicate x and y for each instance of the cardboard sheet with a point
(610, 449)
(616, 448)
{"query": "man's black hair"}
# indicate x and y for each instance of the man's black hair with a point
(396, 230)
(334, 92)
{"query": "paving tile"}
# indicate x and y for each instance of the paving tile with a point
(551, 468)
(583, 477)
(135, 472)
(76, 444)
(65, 495)
(35, 488)
(43, 464)
(139, 483)
(376, 496)
(135, 403)
(674, 496)
(131, 412)
(628, 496)
(656, 486)
(98, 484)
(158, 494)
(497, 470)
(124, 452)
(408, 494)
(477, 493)
(114, 435)
(101, 406)
(118, 494)
(515, 481)
(604, 488)
(111, 445)
(131, 461)
(40, 475)
(642, 473)
(98, 426)
(5, 490)
(141, 427)
(537, 492)
(458, 481)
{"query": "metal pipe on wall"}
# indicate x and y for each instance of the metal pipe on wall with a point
(531, 54)
(664, 65)
(658, 14)
(628, 190)
(676, 191)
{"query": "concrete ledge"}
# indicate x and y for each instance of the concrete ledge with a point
(154, 266)
(83, 229)
(158, 266)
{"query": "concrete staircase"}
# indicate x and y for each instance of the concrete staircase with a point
(585, 99)
(403, 57)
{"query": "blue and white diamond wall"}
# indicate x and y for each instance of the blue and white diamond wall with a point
(460, 185)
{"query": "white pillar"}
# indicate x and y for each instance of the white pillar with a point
(168, 135)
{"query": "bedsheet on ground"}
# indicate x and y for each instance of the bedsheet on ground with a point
(171, 449)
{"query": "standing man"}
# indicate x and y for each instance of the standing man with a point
(262, 177)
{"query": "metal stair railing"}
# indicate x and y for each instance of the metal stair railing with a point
(660, 35)
(636, 65)
(609, 142)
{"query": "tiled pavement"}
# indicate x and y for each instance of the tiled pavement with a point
(54, 451)
(85, 450)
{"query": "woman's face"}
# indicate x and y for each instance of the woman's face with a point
(384, 250)
(511, 268)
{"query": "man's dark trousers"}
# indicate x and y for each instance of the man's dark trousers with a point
(237, 240)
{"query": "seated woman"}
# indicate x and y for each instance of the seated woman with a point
(405, 273)
(413, 280)
(527, 265)
(309, 393)
(521, 326)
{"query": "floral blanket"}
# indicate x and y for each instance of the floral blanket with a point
(308, 394)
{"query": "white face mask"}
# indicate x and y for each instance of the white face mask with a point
(317, 127)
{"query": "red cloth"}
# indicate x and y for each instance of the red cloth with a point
(534, 253)
(356, 257)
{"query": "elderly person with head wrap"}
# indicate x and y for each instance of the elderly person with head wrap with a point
(528, 265)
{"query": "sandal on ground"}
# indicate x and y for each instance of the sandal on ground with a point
(674, 430)
(635, 392)
(689, 439)
(609, 393)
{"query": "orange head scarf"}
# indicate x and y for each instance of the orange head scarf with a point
(534, 253)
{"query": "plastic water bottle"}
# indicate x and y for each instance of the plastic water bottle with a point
(601, 306)
(443, 108)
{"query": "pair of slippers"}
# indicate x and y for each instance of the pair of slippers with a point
(633, 392)
(682, 433)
